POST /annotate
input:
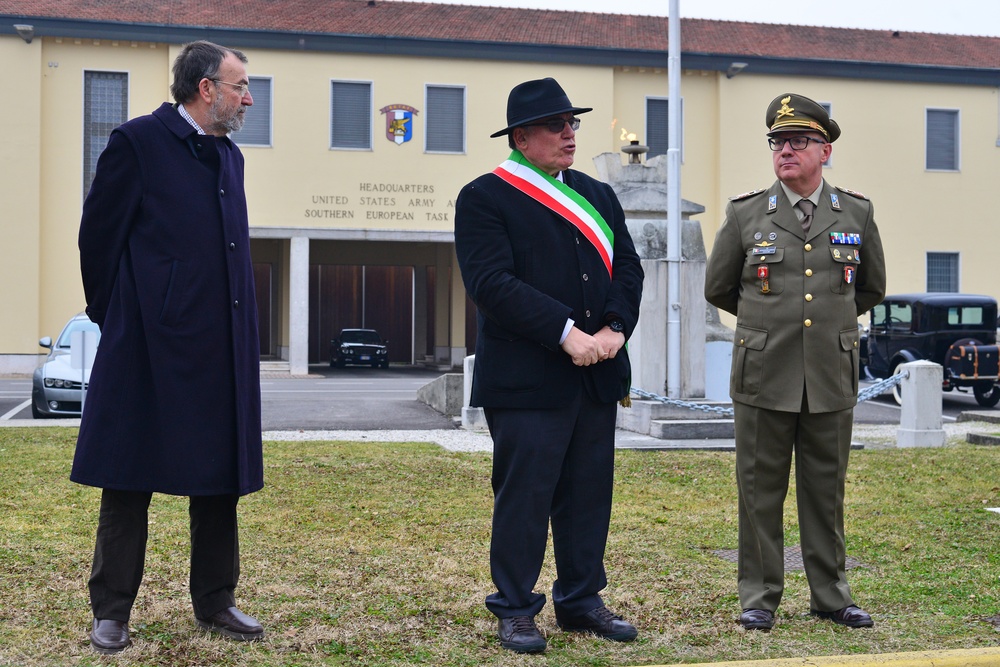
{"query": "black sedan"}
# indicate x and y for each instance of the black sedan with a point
(359, 347)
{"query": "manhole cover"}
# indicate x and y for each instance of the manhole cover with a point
(793, 558)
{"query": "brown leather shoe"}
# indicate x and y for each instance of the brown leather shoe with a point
(109, 636)
(601, 622)
(757, 619)
(852, 616)
(234, 624)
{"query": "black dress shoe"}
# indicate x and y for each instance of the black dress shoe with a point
(234, 624)
(757, 619)
(601, 622)
(109, 636)
(521, 635)
(852, 616)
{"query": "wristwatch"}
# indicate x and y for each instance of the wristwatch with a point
(617, 325)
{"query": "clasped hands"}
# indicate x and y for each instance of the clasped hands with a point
(586, 350)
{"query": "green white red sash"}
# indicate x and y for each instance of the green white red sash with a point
(561, 200)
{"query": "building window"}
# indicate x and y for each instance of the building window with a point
(942, 139)
(350, 115)
(257, 128)
(829, 112)
(445, 119)
(942, 272)
(105, 107)
(657, 130)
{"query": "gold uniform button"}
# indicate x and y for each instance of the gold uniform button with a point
(809, 247)
(808, 323)
(809, 272)
(809, 297)
(855, 343)
(741, 341)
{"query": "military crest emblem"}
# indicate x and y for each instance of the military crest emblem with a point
(398, 122)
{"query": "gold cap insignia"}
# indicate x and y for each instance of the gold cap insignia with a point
(785, 110)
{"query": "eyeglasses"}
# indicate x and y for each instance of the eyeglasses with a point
(797, 143)
(241, 88)
(555, 125)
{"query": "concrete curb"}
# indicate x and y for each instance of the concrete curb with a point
(978, 657)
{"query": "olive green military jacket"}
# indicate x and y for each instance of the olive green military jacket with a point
(796, 296)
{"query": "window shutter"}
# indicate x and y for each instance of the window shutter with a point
(351, 115)
(257, 128)
(445, 119)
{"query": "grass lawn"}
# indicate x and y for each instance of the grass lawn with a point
(377, 554)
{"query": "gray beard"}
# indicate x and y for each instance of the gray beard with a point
(232, 124)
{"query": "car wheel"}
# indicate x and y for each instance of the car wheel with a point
(897, 389)
(341, 363)
(986, 395)
(36, 414)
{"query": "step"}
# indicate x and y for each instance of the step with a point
(692, 429)
(643, 412)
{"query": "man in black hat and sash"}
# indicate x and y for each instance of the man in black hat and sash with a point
(547, 259)
(788, 263)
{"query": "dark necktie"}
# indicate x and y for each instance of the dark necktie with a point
(807, 208)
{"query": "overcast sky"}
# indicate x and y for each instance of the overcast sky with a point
(961, 17)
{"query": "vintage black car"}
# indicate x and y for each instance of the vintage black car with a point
(359, 347)
(957, 331)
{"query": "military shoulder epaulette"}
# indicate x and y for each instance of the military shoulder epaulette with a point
(852, 193)
(746, 194)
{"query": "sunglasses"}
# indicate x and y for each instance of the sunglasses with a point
(555, 125)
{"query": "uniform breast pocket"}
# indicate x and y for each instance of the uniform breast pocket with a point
(764, 269)
(846, 260)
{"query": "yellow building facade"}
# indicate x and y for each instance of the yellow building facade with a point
(384, 206)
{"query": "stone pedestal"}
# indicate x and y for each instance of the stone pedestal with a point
(642, 191)
(473, 418)
(920, 417)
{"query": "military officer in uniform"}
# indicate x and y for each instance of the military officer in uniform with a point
(797, 264)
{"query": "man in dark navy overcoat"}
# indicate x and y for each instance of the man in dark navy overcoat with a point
(174, 400)
(547, 259)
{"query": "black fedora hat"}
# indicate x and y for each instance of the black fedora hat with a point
(536, 99)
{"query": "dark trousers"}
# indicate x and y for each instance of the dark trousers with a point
(559, 465)
(120, 553)
(765, 441)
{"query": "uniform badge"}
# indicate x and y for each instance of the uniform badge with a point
(751, 193)
(849, 274)
(834, 201)
(845, 238)
(772, 236)
(836, 253)
(853, 193)
(772, 203)
(763, 272)
(758, 236)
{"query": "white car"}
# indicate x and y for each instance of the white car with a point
(57, 387)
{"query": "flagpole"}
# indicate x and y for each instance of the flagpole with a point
(674, 201)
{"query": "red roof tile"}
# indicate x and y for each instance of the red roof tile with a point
(384, 18)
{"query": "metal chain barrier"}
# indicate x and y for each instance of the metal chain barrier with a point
(683, 404)
(876, 389)
(882, 386)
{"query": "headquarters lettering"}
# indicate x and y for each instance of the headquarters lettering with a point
(401, 188)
